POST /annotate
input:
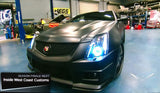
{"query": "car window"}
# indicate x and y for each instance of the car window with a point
(94, 16)
(78, 19)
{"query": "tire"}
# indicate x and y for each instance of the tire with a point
(120, 59)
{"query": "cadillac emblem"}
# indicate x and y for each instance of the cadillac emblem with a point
(46, 48)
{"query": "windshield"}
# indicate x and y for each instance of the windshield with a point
(94, 16)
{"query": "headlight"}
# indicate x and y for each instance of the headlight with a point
(98, 48)
(33, 39)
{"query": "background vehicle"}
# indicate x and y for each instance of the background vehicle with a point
(158, 25)
(55, 22)
(45, 24)
(151, 24)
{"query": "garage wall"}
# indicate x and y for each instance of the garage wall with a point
(88, 6)
(7, 0)
(60, 4)
(75, 7)
(35, 9)
(112, 7)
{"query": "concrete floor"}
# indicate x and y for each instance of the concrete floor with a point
(140, 73)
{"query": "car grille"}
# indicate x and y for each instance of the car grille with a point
(58, 70)
(56, 49)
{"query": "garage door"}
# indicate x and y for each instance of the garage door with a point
(88, 6)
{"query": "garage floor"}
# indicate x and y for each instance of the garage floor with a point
(140, 72)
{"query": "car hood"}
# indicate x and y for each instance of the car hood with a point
(75, 32)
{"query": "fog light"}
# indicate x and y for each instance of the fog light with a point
(89, 75)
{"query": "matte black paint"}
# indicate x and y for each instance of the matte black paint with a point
(79, 71)
(73, 32)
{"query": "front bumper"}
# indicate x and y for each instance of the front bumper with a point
(88, 76)
(150, 26)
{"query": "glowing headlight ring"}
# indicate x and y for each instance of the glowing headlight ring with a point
(97, 51)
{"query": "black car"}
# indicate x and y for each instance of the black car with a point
(86, 53)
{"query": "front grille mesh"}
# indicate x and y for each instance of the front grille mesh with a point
(56, 49)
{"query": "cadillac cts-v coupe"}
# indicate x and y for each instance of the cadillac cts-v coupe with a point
(87, 52)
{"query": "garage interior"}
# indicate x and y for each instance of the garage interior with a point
(140, 73)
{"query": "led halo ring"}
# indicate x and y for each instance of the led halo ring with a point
(97, 51)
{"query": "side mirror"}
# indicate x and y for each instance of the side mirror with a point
(122, 18)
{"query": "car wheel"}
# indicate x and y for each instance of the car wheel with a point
(120, 59)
